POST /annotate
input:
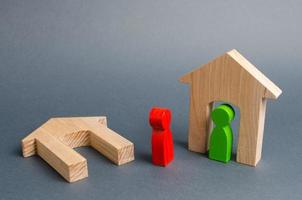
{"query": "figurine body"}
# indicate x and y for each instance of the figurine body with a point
(162, 141)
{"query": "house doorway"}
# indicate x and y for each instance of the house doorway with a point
(235, 125)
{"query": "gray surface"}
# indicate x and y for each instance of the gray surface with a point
(119, 58)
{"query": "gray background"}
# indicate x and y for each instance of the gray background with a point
(120, 58)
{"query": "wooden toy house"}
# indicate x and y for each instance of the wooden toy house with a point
(233, 79)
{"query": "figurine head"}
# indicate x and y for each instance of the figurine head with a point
(223, 115)
(160, 118)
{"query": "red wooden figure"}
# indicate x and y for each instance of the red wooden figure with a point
(162, 142)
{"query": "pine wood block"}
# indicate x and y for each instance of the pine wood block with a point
(54, 140)
(230, 78)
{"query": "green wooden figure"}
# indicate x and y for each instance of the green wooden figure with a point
(221, 139)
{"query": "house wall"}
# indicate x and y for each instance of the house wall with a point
(225, 80)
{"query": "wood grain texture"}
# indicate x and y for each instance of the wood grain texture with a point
(54, 140)
(230, 78)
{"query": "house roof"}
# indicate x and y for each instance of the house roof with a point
(272, 90)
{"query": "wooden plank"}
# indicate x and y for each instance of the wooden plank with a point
(115, 147)
(67, 162)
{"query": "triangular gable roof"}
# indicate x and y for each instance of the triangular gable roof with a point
(273, 91)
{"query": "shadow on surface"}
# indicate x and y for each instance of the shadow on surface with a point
(184, 145)
(43, 170)
(181, 144)
(17, 152)
(145, 157)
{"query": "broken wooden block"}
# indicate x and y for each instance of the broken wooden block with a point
(54, 140)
